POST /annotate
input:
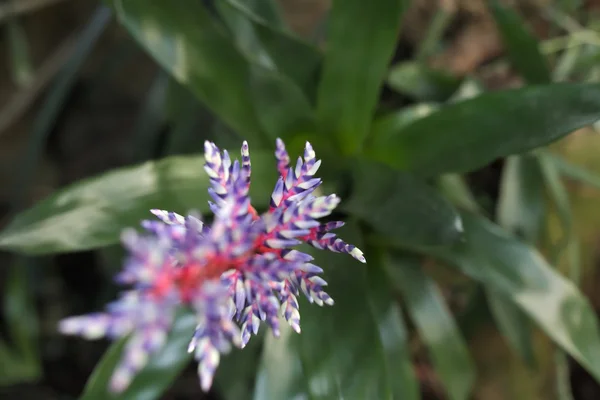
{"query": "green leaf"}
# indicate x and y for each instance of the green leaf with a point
(421, 82)
(560, 197)
(356, 349)
(280, 105)
(360, 42)
(466, 135)
(468, 89)
(92, 212)
(21, 67)
(20, 362)
(21, 315)
(392, 334)
(162, 368)
(435, 325)
(454, 187)
(402, 207)
(521, 210)
(523, 48)
(434, 37)
(267, 11)
(280, 369)
(575, 172)
(187, 42)
(521, 205)
(513, 323)
(386, 126)
(235, 376)
(292, 57)
(499, 261)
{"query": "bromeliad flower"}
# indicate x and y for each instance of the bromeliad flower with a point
(235, 274)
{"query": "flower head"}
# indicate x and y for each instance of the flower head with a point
(234, 274)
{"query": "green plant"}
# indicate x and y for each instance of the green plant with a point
(398, 174)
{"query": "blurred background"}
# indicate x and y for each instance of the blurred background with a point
(79, 97)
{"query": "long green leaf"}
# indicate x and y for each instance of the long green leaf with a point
(92, 213)
(402, 207)
(513, 323)
(435, 325)
(560, 197)
(267, 11)
(161, 370)
(280, 105)
(392, 334)
(360, 42)
(523, 48)
(521, 205)
(292, 56)
(467, 135)
(521, 210)
(20, 362)
(503, 263)
(391, 123)
(186, 41)
(280, 370)
(575, 172)
(276, 77)
(421, 82)
(21, 67)
(356, 349)
(243, 366)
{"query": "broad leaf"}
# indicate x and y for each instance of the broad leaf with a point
(513, 323)
(161, 370)
(498, 260)
(388, 125)
(435, 324)
(356, 349)
(522, 47)
(421, 82)
(292, 57)
(92, 213)
(186, 41)
(467, 135)
(402, 207)
(280, 373)
(521, 205)
(360, 41)
(280, 105)
(393, 335)
(521, 210)
(236, 374)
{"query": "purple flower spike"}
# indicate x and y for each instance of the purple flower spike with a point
(238, 272)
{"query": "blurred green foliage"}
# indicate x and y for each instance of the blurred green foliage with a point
(238, 65)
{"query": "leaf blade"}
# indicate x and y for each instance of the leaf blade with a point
(92, 213)
(523, 48)
(162, 368)
(467, 135)
(402, 207)
(499, 261)
(349, 88)
(435, 325)
(191, 46)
